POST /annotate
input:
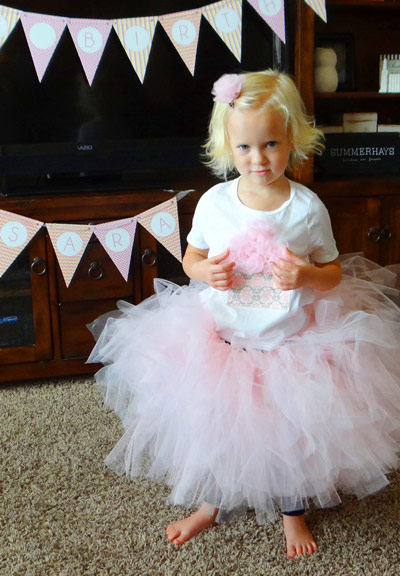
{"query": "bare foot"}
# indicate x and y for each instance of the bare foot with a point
(186, 529)
(299, 540)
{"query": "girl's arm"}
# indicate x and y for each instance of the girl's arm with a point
(216, 271)
(296, 272)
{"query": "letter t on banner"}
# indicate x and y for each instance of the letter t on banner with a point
(163, 223)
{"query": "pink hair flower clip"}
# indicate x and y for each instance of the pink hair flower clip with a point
(228, 88)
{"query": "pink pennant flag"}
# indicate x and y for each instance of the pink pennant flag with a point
(136, 36)
(43, 33)
(8, 19)
(183, 31)
(273, 12)
(90, 38)
(15, 234)
(69, 243)
(226, 19)
(163, 223)
(319, 7)
(117, 239)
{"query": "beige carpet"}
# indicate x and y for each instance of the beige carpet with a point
(63, 513)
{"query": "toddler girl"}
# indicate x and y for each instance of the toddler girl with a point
(270, 382)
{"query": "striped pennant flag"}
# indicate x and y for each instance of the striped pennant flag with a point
(136, 36)
(8, 19)
(183, 31)
(226, 19)
(69, 243)
(319, 7)
(162, 222)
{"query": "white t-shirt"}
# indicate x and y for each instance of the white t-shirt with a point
(302, 223)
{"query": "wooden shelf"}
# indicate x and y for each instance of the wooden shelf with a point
(356, 95)
(366, 3)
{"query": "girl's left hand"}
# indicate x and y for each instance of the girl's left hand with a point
(292, 272)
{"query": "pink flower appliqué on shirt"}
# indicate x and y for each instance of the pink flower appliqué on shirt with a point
(255, 250)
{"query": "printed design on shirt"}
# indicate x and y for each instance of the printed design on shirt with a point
(257, 291)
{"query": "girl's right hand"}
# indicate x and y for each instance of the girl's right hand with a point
(217, 272)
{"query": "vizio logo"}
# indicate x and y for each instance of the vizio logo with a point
(84, 147)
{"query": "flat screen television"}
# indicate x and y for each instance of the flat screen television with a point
(62, 134)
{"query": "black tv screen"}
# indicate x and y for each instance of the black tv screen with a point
(63, 133)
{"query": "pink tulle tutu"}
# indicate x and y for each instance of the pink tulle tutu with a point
(317, 416)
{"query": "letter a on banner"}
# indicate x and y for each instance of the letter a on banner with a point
(226, 19)
(273, 12)
(90, 38)
(69, 243)
(8, 19)
(136, 35)
(183, 31)
(42, 33)
(117, 239)
(163, 223)
(15, 233)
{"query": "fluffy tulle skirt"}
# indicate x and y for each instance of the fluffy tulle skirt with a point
(314, 418)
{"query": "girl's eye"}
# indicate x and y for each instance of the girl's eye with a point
(243, 146)
(271, 144)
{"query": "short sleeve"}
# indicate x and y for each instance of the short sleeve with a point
(196, 235)
(322, 243)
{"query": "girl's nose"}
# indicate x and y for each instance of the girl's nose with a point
(259, 156)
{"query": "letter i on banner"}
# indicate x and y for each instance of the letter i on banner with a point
(136, 36)
(42, 33)
(183, 31)
(8, 19)
(226, 19)
(90, 38)
(163, 223)
(117, 239)
(273, 12)
(69, 243)
(15, 233)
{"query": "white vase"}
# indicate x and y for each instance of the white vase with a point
(325, 74)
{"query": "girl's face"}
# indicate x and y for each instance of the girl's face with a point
(260, 147)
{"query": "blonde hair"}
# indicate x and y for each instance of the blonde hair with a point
(263, 91)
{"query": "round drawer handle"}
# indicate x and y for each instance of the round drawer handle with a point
(38, 266)
(149, 257)
(374, 234)
(95, 271)
(386, 232)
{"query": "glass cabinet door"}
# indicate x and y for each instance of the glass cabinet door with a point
(25, 332)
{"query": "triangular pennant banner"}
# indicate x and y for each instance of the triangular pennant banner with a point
(15, 233)
(43, 33)
(8, 19)
(69, 243)
(226, 19)
(117, 239)
(273, 12)
(90, 38)
(319, 7)
(183, 31)
(163, 223)
(136, 36)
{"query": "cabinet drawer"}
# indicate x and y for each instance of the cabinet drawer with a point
(76, 339)
(96, 278)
